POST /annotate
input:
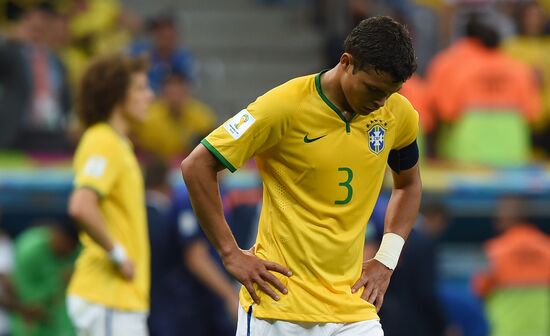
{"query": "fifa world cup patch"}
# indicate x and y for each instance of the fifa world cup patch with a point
(95, 166)
(376, 132)
(238, 125)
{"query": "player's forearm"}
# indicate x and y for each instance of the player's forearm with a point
(201, 264)
(400, 215)
(201, 179)
(403, 205)
(88, 214)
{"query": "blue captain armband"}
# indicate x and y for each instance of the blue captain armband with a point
(404, 158)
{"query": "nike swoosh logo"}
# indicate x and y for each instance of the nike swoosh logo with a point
(307, 140)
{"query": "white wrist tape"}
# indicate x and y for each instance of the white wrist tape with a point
(390, 249)
(118, 254)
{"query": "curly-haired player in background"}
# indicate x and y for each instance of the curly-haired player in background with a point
(109, 290)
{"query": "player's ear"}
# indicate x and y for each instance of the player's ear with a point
(346, 61)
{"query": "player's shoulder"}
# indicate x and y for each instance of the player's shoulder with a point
(280, 103)
(400, 106)
(99, 131)
(293, 90)
(401, 109)
(100, 136)
(32, 240)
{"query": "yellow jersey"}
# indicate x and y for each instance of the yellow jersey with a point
(105, 162)
(321, 178)
(170, 136)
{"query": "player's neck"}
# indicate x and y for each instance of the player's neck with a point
(330, 85)
(119, 123)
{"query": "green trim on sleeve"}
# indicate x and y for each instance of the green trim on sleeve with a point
(218, 155)
(89, 187)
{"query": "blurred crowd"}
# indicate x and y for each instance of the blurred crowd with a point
(482, 87)
(483, 82)
(482, 91)
(191, 295)
(45, 46)
(508, 295)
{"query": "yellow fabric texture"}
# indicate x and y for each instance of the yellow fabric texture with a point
(100, 15)
(105, 162)
(169, 135)
(321, 177)
(100, 24)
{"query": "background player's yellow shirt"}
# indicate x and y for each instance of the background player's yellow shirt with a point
(321, 176)
(171, 136)
(105, 162)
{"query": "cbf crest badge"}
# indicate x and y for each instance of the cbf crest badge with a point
(376, 132)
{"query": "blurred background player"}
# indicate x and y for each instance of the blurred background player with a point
(492, 86)
(190, 294)
(412, 305)
(41, 123)
(164, 51)
(176, 122)
(516, 284)
(109, 291)
(45, 255)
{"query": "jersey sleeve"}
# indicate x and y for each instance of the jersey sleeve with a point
(97, 166)
(407, 123)
(251, 131)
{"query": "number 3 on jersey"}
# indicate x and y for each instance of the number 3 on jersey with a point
(346, 185)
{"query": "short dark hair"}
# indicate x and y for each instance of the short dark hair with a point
(104, 85)
(383, 44)
(483, 30)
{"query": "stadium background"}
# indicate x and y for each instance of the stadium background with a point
(239, 49)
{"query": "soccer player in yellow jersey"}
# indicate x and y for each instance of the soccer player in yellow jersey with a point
(109, 290)
(321, 143)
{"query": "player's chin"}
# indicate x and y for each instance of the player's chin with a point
(364, 111)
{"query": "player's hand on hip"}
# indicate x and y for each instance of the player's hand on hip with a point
(375, 278)
(127, 269)
(249, 270)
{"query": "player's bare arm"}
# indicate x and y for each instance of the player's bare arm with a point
(200, 172)
(198, 259)
(84, 208)
(400, 218)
